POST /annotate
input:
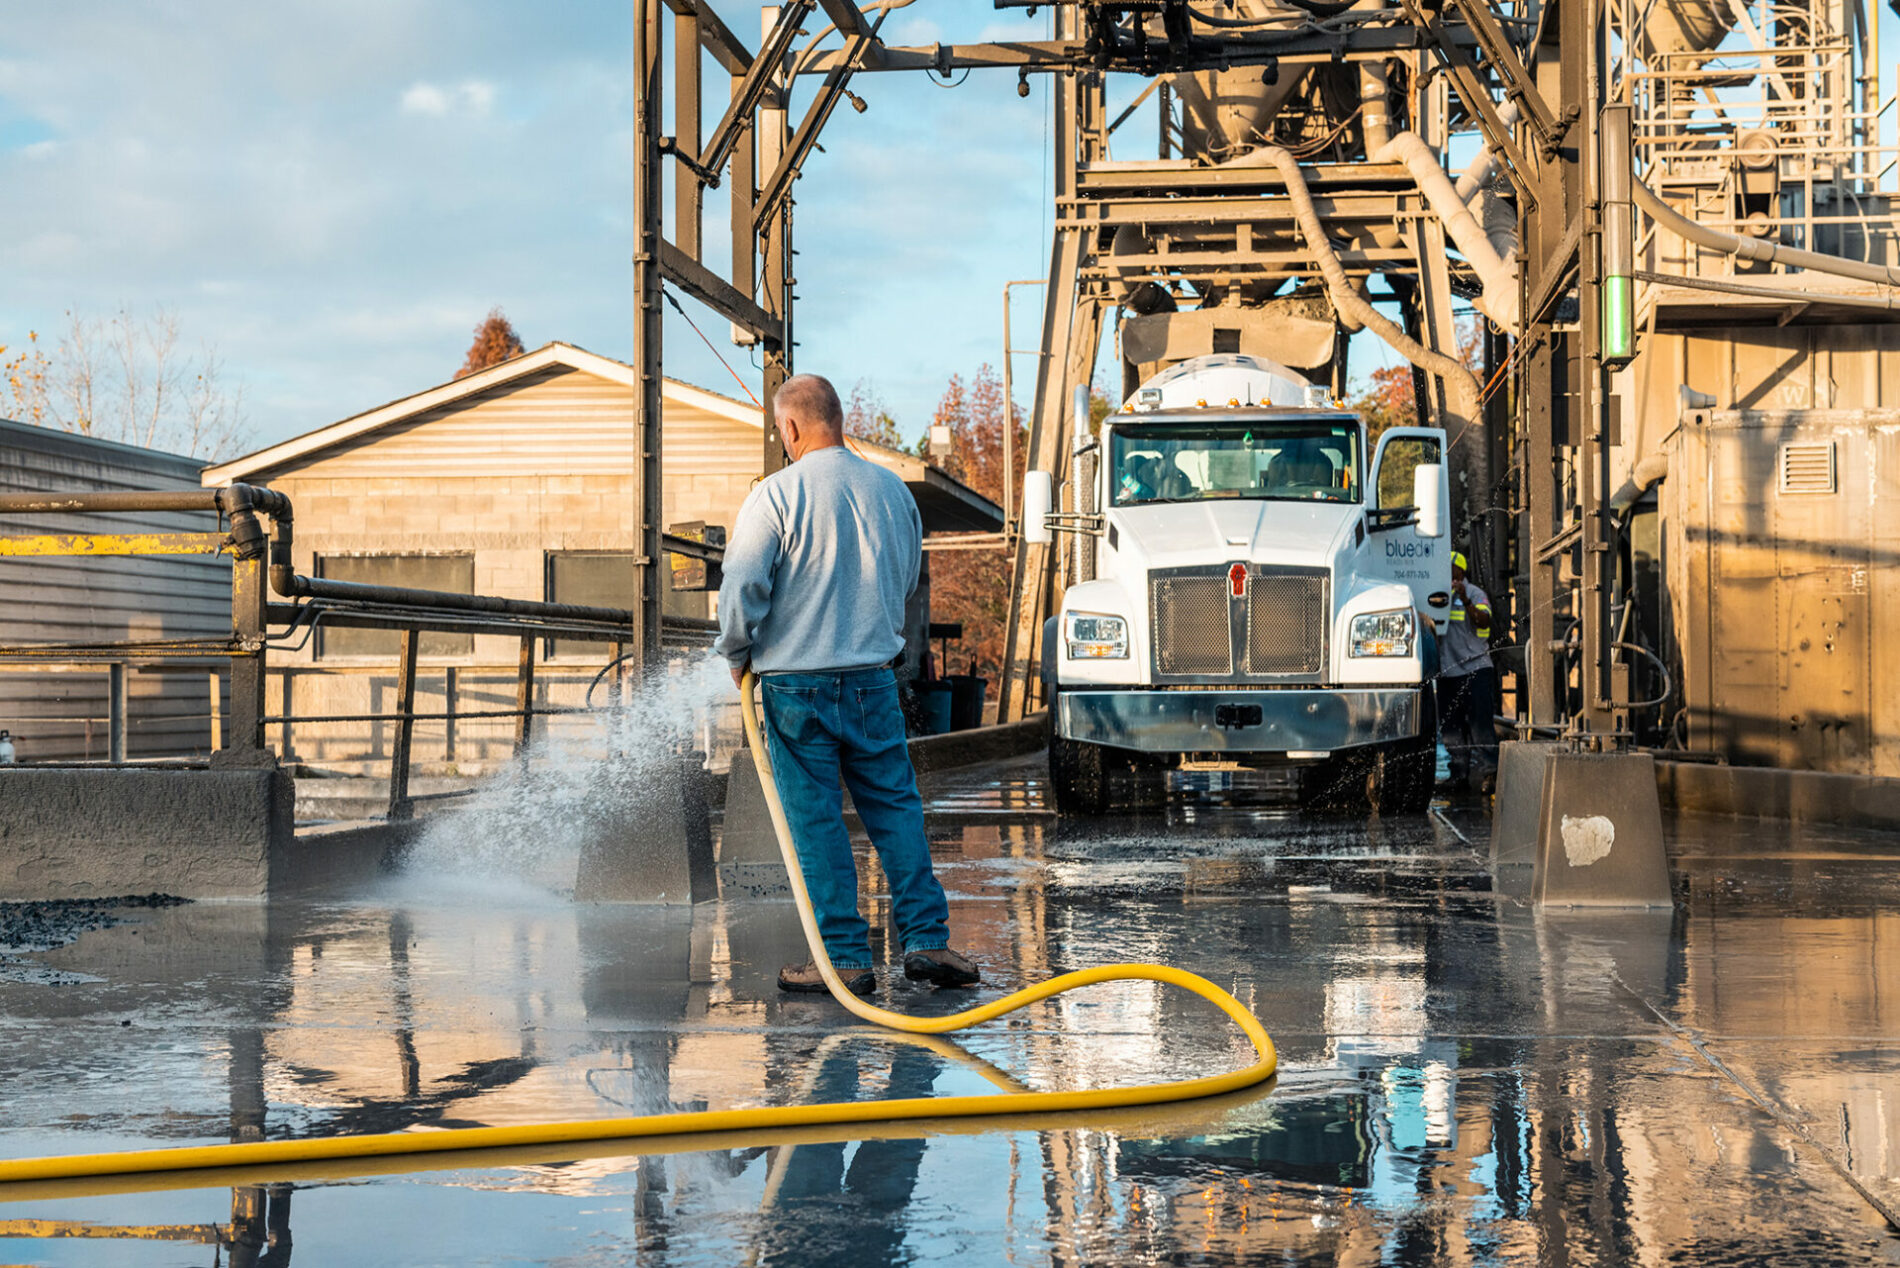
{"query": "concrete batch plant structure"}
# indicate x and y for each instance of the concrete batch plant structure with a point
(1674, 468)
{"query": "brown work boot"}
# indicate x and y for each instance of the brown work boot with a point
(941, 967)
(805, 979)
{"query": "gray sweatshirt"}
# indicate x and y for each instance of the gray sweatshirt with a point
(819, 567)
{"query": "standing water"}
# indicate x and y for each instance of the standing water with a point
(523, 831)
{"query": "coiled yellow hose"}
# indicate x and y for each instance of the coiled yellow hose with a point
(666, 1127)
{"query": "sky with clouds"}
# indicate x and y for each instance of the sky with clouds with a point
(334, 195)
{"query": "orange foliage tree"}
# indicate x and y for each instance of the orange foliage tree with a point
(495, 342)
(867, 417)
(972, 586)
(1388, 400)
(24, 380)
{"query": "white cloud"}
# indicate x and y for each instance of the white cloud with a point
(234, 162)
(474, 97)
(425, 99)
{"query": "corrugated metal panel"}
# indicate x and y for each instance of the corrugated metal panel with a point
(60, 716)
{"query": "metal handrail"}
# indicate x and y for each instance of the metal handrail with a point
(262, 565)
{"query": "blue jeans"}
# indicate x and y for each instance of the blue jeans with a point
(824, 727)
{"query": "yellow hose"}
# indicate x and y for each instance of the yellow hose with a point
(777, 1117)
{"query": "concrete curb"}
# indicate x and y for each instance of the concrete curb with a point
(331, 858)
(1768, 792)
(932, 753)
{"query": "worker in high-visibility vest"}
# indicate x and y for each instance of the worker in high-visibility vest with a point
(1468, 683)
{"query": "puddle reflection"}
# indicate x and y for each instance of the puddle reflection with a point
(1464, 1081)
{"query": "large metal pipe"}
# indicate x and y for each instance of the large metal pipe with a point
(1477, 173)
(1375, 107)
(242, 504)
(1350, 302)
(1761, 249)
(1498, 275)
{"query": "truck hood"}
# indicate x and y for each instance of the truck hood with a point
(1185, 534)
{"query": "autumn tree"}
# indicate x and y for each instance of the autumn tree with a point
(24, 378)
(868, 417)
(495, 342)
(973, 586)
(1388, 397)
(127, 378)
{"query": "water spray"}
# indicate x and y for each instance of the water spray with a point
(665, 1133)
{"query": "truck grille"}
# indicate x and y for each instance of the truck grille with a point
(1201, 632)
(1286, 624)
(1193, 634)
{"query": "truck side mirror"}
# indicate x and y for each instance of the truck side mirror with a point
(1039, 496)
(1428, 491)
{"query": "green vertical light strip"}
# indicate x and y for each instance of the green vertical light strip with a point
(1617, 246)
(1619, 321)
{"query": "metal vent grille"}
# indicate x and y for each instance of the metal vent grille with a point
(1807, 468)
(1192, 633)
(1286, 624)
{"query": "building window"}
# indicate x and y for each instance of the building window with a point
(591, 579)
(453, 573)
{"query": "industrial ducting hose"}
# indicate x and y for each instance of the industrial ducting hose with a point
(661, 1128)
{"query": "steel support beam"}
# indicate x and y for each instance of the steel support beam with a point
(717, 294)
(1061, 315)
(648, 328)
(774, 231)
(781, 29)
(689, 190)
(1476, 95)
(400, 807)
(714, 35)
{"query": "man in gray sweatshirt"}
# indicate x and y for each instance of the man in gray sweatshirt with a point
(818, 570)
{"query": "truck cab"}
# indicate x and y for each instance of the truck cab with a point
(1252, 587)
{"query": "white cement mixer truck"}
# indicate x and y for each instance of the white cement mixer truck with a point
(1250, 587)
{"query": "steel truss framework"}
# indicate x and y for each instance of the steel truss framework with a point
(1531, 84)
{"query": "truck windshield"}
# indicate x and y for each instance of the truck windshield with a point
(1305, 461)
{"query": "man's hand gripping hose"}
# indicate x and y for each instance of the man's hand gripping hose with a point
(662, 1128)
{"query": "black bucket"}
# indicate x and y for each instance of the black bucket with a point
(966, 700)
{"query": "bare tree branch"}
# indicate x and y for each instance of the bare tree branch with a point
(126, 379)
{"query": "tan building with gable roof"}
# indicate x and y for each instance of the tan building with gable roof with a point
(514, 481)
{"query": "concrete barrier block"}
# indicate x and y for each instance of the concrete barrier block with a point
(100, 832)
(1600, 833)
(656, 846)
(1520, 800)
(750, 865)
(749, 861)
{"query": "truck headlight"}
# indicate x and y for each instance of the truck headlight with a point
(1095, 636)
(1382, 634)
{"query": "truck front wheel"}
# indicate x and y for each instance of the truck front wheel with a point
(1394, 779)
(1078, 776)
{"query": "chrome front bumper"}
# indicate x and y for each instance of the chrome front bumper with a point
(1294, 720)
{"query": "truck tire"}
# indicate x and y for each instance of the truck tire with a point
(1078, 776)
(1336, 785)
(1402, 780)
(1393, 779)
(1408, 770)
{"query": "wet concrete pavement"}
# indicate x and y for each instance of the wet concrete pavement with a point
(1463, 1080)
